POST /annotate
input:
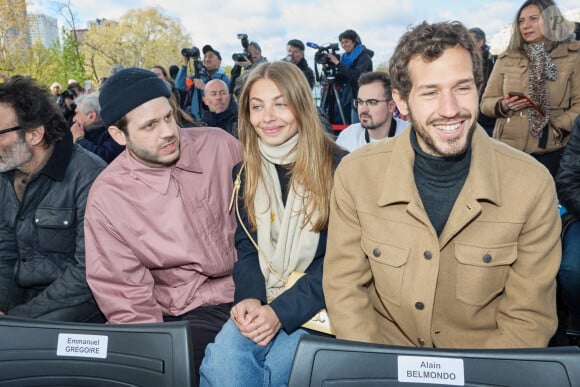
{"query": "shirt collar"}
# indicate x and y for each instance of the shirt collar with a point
(55, 167)
(483, 173)
(159, 178)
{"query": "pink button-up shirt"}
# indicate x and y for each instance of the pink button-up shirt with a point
(160, 241)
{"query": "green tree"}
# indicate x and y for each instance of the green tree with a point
(140, 38)
(71, 62)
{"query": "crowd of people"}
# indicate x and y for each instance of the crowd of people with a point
(444, 214)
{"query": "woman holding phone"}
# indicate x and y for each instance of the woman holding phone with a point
(534, 89)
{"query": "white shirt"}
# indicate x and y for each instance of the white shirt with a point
(353, 136)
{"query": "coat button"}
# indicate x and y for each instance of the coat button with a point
(427, 255)
(419, 305)
(421, 342)
(24, 259)
(36, 220)
(487, 258)
(65, 223)
(376, 252)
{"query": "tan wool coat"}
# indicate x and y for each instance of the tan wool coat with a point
(511, 73)
(488, 281)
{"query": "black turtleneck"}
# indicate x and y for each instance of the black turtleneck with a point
(439, 181)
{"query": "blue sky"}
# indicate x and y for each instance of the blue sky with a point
(273, 23)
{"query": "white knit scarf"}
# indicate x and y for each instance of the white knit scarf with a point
(284, 244)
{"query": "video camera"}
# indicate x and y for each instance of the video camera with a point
(320, 56)
(193, 53)
(242, 56)
(328, 68)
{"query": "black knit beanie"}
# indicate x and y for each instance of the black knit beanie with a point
(128, 89)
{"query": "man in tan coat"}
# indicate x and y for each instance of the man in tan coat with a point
(437, 238)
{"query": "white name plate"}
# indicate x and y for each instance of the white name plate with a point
(70, 344)
(434, 370)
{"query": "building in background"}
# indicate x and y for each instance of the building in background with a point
(43, 28)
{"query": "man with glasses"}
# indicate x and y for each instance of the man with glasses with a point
(375, 109)
(44, 183)
(222, 108)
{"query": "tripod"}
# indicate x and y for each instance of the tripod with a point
(326, 103)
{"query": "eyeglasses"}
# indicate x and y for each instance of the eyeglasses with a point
(2, 131)
(368, 102)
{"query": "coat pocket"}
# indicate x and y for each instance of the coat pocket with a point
(55, 227)
(482, 272)
(387, 264)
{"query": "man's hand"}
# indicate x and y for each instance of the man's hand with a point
(77, 131)
(199, 84)
(185, 60)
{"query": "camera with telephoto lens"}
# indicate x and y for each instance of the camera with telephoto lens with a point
(242, 56)
(192, 52)
(320, 56)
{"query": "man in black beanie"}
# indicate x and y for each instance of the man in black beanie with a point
(159, 236)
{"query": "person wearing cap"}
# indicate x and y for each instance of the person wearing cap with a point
(195, 83)
(159, 236)
(44, 183)
(295, 50)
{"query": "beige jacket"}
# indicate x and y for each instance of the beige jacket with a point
(511, 73)
(488, 281)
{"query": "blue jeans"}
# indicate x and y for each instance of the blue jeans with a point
(569, 273)
(234, 360)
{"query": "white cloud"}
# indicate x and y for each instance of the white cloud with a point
(272, 23)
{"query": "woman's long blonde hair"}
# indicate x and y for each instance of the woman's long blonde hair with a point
(313, 168)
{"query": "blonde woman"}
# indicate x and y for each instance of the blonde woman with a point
(534, 89)
(284, 184)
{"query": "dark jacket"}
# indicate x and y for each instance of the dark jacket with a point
(350, 75)
(297, 304)
(227, 120)
(98, 140)
(568, 177)
(308, 72)
(488, 61)
(42, 247)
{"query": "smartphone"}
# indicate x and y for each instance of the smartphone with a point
(523, 96)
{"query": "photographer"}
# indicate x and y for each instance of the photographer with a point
(203, 72)
(252, 58)
(355, 61)
(295, 50)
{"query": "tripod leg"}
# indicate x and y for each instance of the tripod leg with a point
(339, 105)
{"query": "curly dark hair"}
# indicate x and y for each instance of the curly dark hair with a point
(33, 107)
(430, 41)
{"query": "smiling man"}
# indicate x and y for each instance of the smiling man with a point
(437, 238)
(159, 236)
